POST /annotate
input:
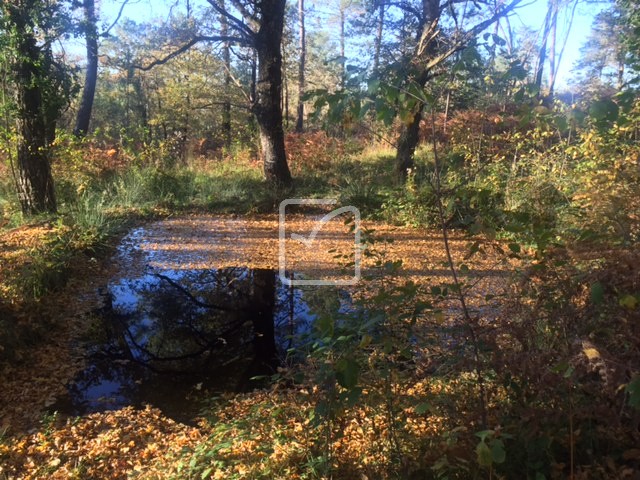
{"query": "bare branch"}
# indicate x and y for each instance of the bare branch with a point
(245, 13)
(219, 104)
(188, 45)
(106, 32)
(405, 7)
(235, 21)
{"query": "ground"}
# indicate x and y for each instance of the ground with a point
(124, 443)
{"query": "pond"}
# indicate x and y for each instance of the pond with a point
(173, 337)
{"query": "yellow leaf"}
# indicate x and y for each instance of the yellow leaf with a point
(591, 353)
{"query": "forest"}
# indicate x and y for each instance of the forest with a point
(291, 239)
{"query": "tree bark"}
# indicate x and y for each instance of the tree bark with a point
(409, 135)
(301, 68)
(553, 64)
(343, 60)
(620, 78)
(378, 39)
(267, 108)
(226, 108)
(407, 143)
(91, 77)
(542, 52)
(35, 182)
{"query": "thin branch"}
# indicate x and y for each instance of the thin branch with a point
(405, 7)
(217, 104)
(454, 272)
(193, 299)
(245, 13)
(564, 43)
(106, 32)
(237, 83)
(237, 23)
(188, 45)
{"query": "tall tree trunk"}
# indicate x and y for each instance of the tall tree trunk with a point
(542, 53)
(620, 80)
(226, 107)
(269, 92)
(553, 64)
(378, 39)
(35, 182)
(409, 135)
(407, 143)
(301, 68)
(285, 86)
(343, 59)
(91, 77)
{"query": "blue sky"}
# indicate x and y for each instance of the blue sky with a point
(531, 15)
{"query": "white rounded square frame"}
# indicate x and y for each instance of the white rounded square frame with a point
(311, 238)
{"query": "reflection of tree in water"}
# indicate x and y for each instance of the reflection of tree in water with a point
(169, 331)
(192, 319)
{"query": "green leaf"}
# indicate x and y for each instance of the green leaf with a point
(485, 458)
(366, 341)
(628, 301)
(561, 123)
(597, 293)
(354, 396)
(514, 247)
(484, 434)
(422, 408)
(347, 370)
(372, 86)
(206, 473)
(325, 325)
(633, 389)
(604, 110)
(498, 453)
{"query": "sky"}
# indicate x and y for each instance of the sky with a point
(532, 15)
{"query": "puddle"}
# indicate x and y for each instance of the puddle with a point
(174, 337)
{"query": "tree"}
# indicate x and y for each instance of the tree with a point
(301, 68)
(258, 25)
(379, 34)
(267, 40)
(431, 49)
(226, 55)
(549, 37)
(42, 87)
(630, 18)
(90, 29)
(91, 77)
(604, 53)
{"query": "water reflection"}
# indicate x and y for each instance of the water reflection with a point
(172, 337)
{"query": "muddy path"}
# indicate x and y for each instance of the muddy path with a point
(168, 292)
